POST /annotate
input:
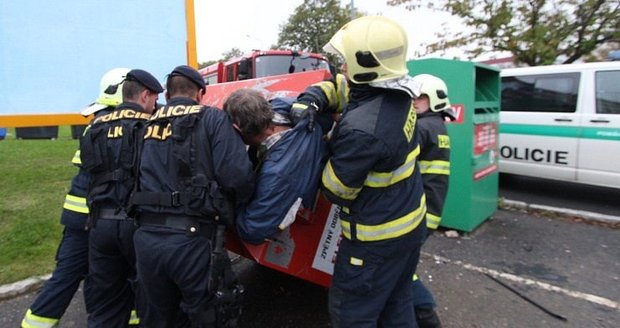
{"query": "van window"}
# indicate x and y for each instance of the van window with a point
(540, 93)
(608, 92)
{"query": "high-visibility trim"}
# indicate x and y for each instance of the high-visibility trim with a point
(329, 90)
(76, 204)
(435, 167)
(415, 277)
(335, 186)
(388, 230)
(355, 261)
(77, 160)
(385, 179)
(342, 88)
(35, 321)
(432, 220)
(133, 319)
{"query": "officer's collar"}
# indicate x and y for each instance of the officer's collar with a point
(131, 105)
(181, 101)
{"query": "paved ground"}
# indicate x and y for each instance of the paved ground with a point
(569, 267)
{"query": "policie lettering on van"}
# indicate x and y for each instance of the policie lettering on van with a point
(562, 122)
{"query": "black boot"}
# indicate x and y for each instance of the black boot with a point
(426, 317)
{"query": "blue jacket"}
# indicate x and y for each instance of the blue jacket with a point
(291, 169)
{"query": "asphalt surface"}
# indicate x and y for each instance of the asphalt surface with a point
(569, 267)
(560, 194)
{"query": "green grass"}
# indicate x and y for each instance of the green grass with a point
(35, 175)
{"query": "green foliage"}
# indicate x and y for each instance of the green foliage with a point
(207, 63)
(232, 53)
(312, 25)
(36, 175)
(536, 32)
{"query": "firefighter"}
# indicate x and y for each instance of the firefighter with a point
(72, 254)
(193, 172)
(372, 174)
(108, 152)
(433, 109)
(288, 166)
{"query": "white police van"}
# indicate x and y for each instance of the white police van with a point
(562, 122)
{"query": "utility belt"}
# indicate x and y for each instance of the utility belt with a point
(191, 225)
(109, 213)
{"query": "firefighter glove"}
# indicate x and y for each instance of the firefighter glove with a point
(301, 110)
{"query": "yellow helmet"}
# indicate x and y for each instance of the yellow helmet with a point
(110, 91)
(374, 49)
(436, 90)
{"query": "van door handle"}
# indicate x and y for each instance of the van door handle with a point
(563, 120)
(599, 121)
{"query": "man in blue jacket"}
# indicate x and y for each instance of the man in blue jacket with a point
(288, 162)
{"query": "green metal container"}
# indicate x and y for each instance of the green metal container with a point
(474, 91)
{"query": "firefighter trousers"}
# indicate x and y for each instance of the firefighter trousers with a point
(57, 293)
(371, 286)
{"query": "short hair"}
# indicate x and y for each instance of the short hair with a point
(131, 90)
(250, 111)
(178, 85)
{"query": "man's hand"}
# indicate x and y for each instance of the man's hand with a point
(303, 109)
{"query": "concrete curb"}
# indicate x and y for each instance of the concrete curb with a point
(508, 204)
(22, 287)
(27, 285)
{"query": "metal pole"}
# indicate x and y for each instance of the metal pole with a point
(352, 9)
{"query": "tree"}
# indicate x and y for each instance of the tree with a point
(207, 63)
(232, 53)
(312, 25)
(536, 32)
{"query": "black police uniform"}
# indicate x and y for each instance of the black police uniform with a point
(109, 150)
(193, 169)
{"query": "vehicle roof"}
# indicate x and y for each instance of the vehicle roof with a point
(560, 68)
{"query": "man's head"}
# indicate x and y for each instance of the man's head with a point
(110, 91)
(251, 115)
(434, 94)
(142, 88)
(185, 81)
(374, 49)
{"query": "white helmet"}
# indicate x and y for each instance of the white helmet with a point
(374, 49)
(110, 91)
(436, 90)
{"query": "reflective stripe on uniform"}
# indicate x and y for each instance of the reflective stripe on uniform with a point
(133, 319)
(435, 167)
(342, 88)
(329, 90)
(432, 221)
(385, 179)
(77, 160)
(388, 230)
(35, 321)
(75, 204)
(415, 277)
(335, 186)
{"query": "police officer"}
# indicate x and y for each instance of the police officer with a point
(108, 152)
(72, 254)
(372, 174)
(194, 170)
(433, 109)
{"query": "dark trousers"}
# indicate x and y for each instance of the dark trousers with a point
(371, 286)
(71, 268)
(108, 292)
(172, 273)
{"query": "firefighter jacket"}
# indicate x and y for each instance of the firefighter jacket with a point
(434, 162)
(289, 170)
(372, 171)
(75, 210)
(193, 163)
(108, 152)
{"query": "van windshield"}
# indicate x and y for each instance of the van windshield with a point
(283, 64)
